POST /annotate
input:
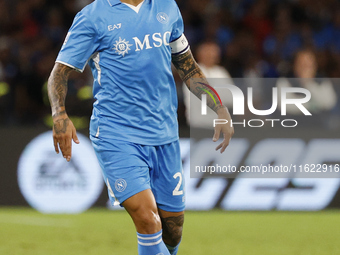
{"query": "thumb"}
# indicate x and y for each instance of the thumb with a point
(75, 137)
(216, 134)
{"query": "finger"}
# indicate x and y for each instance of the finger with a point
(225, 143)
(217, 134)
(219, 146)
(62, 147)
(222, 146)
(68, 148)
(75, 137)
(56, 148)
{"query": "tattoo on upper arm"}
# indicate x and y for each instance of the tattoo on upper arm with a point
(57, 86)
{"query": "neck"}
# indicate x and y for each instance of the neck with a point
(132, 2)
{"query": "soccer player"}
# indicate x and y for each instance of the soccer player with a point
(129, 45)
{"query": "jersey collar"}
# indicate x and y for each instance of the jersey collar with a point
(114, 2)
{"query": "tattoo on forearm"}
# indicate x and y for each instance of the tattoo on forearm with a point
(60, 125)
(193, 77)
(186, 66)
(57, 86)
(172, 229)
(217, 107)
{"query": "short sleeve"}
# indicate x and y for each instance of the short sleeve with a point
(178, 27)
(178, 42)
(80, 43)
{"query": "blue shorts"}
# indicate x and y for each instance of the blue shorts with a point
(130, 168)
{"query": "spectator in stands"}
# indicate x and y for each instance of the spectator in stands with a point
(280, 46)
(305, 68)
(258, 38)
(257, 20)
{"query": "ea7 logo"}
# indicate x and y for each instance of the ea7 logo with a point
(113, 27)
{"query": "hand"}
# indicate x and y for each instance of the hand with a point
(63, 133)
(226, 129)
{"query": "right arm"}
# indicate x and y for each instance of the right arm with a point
(195, 80)
(63, 128)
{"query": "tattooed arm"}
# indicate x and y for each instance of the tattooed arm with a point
(63, 128)
(196, 81)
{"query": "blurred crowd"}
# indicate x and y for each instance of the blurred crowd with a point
(231, 39)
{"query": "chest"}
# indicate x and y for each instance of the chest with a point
(127, 32)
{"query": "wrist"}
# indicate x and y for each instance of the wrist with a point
(59, 112)
(223, 112)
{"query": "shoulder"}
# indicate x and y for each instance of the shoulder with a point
(92, 15)
(170, 8)
(93, 10)
(90, 9)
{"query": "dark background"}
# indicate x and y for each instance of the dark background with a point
(256, 38)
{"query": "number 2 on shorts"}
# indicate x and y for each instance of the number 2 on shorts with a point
(176, 191)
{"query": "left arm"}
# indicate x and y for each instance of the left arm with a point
(194, 79)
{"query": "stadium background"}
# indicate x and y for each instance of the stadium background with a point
(256, 39)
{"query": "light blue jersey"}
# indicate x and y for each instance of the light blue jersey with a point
(129, 51)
